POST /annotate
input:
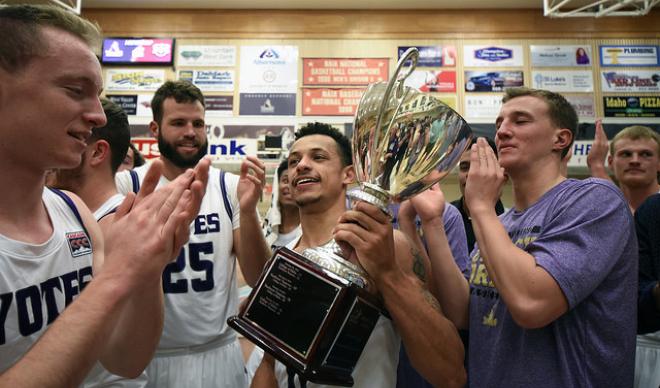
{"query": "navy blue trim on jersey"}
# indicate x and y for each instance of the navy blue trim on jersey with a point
(112, 211)
(223, 188)
(135, 180)
(71, 205)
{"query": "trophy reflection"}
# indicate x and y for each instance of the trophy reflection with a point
(314, 311)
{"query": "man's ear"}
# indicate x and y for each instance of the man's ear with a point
(563, 138)
(99, 153)
(153, 128)
(348, 175)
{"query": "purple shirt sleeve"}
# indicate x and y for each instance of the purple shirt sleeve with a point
(455, 231)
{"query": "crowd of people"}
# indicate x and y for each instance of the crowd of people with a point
(121, 273)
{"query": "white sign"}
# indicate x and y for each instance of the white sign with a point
(232, 150)
(580, 151)
(545, 56)
(205, 55)
(493, 55)
(210, 80)
(564, 80)
(144, 105)
(483, 106)
(132, 79)
(269, 69)
(630, 81)
(583, 105)
(642, 55)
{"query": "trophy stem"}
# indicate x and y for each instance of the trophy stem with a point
(372, 194)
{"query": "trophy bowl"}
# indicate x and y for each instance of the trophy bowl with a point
(315, 311)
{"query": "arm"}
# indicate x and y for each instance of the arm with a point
(452, 287)
(531, 294)
(249, 243)
(598, 153)
(434, 348)
(648, 233)
(264, 376)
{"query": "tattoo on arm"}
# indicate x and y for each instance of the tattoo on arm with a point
(431, 300)
(418, 264)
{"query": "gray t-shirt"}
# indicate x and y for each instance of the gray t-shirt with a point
(582, 234)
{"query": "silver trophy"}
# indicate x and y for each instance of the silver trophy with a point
(404, 141)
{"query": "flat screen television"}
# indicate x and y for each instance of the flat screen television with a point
(138, 51)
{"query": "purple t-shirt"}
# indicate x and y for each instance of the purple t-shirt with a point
(582, 233)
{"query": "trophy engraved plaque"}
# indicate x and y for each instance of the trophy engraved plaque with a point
(313, 311)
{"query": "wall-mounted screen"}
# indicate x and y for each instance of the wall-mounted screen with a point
(138, 51)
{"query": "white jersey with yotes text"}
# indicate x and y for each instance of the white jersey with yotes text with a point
(200, 285)
(37, 281)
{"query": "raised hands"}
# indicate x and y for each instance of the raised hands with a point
(485, 179)
(598, 153)
(251, 183)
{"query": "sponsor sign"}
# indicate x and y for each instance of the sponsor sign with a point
(344, 71)
(232, 150)
(268, 104)
(269, 69)
(145, 51)
(630, 81)
(205, 55)
(439, 81)
(492, 81)
(564, 80)
(629, 55)
(148, 146)
(486, 106)
(432, 56)
(545, 56)
(127, 102)
(505, 55)
(219, 105)
(583, 105)
(132, 79)
(330, 102)
(144, 105)
(581, 149)
(631, 106)
(210, 80)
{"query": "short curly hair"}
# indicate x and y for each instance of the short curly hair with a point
(343, 144)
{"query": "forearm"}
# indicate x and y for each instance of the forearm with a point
(66, 352)
(434, 348)
(253, 252)
(453, 289)
(136, 333)
(598, 170)
(264, 376)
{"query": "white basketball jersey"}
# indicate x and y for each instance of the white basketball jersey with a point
(37, 281)
(108, 206)
(200, 285)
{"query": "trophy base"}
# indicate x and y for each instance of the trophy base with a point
(308, 318)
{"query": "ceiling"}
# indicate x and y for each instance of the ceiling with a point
(314, 4)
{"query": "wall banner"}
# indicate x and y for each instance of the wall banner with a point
(629, 55)
(564, 80)
(269, 69)
(268, 104)
(206, 55)
(432, 56)
(219, 105)
(631, 106)
(504, 55)
(547, 56)
(492, 81)
(209, 80)
(439, 81)
(486, 106)
(583, 105)
(344, 71)
(330, 102)
(630, 81)
(132, 79)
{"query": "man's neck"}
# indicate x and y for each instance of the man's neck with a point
(530, 184)
(170, 170)
(318, 222)
(290, 218)
(635, 196)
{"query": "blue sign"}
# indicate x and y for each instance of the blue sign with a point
(268, 104)
(429, 56)
(144, 51)
(493, 54)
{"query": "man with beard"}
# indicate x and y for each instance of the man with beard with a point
(197, 348)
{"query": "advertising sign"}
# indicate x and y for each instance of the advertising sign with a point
(268, 104)
(269, 69)
(234, 150)
(143, 51)
(219, 105)
(432, 56)
(132, 79)
(581, 150)
(128, 103)
(205, 55)
(330, 102)
(583, 105)
(439, 81)
(504, 55)
(486, 106)
(564, 80)
(547, 56)
(629, 106)
(344, 71)
(629, 55)
(630, 81)
(148, 146)
(210, 80)
(492, 81)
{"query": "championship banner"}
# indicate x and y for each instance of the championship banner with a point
(206, 55)
(505, 55)
(564, 80)
(344, 71)
(267, 104)
(268, 69)
(217, 106)
(438, 81)
(557, 56)
(628, 106)
(209, 80)
(432, 56)
(630, 81)
(629, 55)
(486, 106)
(493, 81)
(131, 79)
(330, 102)
(583, 105)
